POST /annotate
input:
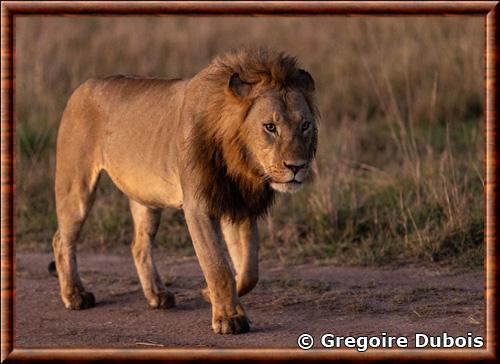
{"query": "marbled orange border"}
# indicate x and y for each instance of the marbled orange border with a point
(11, 9)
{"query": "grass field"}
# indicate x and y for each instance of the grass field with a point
(401, 153)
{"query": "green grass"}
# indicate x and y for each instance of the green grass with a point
(33, 141)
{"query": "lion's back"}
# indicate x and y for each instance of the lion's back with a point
(125, 123)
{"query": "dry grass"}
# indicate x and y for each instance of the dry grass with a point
(401, 159)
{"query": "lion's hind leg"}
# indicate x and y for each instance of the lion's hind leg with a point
(75, 192)
(146, 222)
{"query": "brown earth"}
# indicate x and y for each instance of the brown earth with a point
(287, 301)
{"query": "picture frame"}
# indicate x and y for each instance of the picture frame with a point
(488, 10)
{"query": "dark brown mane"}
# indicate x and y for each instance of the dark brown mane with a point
(229, 181)
(227, 194)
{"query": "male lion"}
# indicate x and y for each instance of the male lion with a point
(217, 145)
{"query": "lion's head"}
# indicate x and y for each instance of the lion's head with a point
(256, 134)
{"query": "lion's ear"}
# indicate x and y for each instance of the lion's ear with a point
(238, 87)
(302, 80)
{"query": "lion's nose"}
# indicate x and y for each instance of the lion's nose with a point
(295, 166)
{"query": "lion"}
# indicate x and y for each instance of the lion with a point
(218, 146)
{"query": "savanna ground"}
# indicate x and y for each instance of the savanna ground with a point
(388, 237)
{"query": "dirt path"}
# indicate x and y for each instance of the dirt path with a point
(288, 301)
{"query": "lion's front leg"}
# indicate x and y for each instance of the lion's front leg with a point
(228, 316)
(242, 240)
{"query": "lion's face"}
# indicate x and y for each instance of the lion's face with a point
(280, 133)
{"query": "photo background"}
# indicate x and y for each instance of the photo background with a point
(401, 153)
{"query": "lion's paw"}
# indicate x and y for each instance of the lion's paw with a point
(80, 301)
(237, 324)
(163, 300)
(223, 322)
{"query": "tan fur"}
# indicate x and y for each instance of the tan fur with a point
(200, 144)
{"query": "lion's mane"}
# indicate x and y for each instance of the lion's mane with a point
(229, 182)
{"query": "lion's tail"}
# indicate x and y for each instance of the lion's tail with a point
(52, 269)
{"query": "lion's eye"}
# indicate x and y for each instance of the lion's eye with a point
(270, 127)
(306, 125)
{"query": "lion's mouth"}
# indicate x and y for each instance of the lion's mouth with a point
(293, 181)
(288, 186)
